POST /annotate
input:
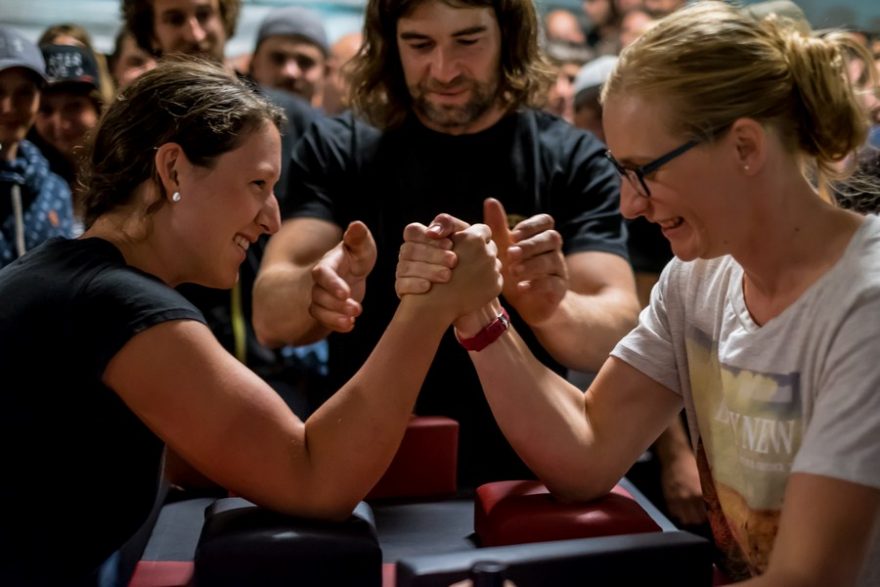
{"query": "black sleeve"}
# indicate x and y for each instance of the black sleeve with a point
(326, 167)
(117, 304)
(585, 193)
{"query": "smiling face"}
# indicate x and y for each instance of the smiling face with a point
(451, 65)
(225, 208)
(192, 27)
(19, 100)
(64, 118)
(689, 199)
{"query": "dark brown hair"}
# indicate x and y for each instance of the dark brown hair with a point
(184, 100)
(379, 92)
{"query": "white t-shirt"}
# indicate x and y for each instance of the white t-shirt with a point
(799, 394)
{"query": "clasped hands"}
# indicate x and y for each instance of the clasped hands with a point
(533, 267)
(526, 265)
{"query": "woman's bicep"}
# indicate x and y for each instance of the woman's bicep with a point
(213, 411)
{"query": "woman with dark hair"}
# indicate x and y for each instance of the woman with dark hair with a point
(179, 184)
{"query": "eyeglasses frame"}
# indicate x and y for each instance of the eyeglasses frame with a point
(649, 168)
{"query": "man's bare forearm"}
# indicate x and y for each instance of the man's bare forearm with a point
(585, 327)
(282, 295)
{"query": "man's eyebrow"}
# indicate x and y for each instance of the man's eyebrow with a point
(411, 36)
(480, 28)
(415, 36)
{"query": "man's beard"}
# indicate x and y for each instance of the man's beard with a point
(482, 98)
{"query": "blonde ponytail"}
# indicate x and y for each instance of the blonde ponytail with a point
(829, 119)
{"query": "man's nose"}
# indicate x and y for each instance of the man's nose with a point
(445, 66)
(292, 69)
(194, 31)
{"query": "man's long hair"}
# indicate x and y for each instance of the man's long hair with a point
(379, 92)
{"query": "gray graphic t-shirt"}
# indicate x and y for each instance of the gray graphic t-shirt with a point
(800, 393)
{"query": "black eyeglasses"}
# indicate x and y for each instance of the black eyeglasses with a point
(636, 175)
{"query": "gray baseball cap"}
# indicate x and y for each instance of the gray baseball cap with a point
(594, 73)
(17, 51)
(294, 21)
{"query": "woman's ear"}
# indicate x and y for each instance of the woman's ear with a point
(750, 142)
(169, 159)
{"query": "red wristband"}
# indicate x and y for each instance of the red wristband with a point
(488, 334)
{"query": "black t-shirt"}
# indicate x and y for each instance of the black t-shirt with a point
(344, 170)
(81, 471)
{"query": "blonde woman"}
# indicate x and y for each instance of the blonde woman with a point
(765, 325)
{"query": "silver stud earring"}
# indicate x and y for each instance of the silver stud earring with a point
(745, 167)
(175, 197)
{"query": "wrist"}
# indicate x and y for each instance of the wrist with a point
(488, 334)
(468, 325)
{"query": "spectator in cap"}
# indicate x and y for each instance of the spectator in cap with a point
(73, 34)
(291, 53)
(34, 202)
(70, 106)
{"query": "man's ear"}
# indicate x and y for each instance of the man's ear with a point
(169, 159)
(750, 142)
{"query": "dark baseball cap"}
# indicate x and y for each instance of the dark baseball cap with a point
(17, 51)
(70, 64)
